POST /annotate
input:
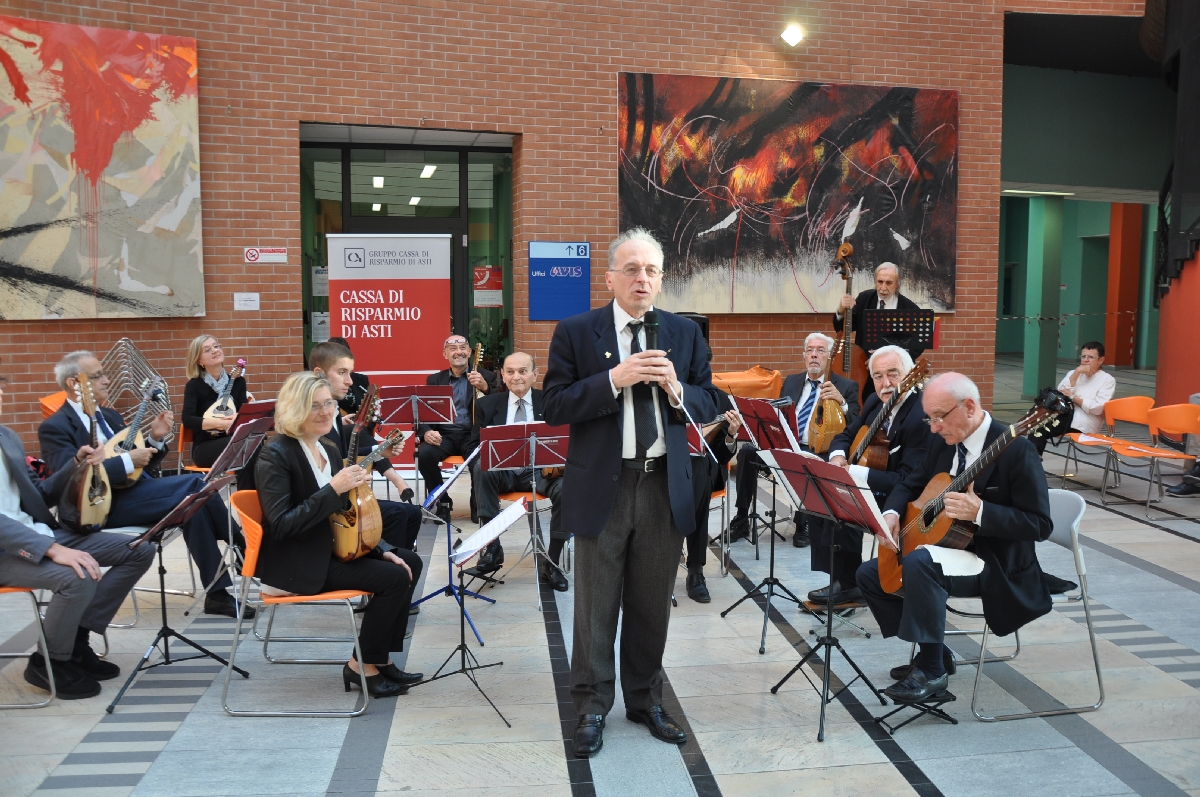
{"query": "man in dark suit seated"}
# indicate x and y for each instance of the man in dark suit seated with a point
(1010, 506)
(627, 491)
(805, 390)
(884, 296)
(35, 552)
(146, 501)
(907, 434)
(521, 404)
(442, 440)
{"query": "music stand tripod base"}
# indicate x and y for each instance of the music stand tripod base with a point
(842, 612)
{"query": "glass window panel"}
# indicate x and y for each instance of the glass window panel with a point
(320, 213)
(489, 204)
(412, 183)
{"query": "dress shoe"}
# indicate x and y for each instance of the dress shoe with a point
(1184, 488)
(739, 528)
(413, 611)
(85, 659)
(377, 685)
(659, 722)
(800, 538)
(70, 682)
(553, 576)
(916, 687)
(696, 588)
(221, 602)
(399, 676)
(589, 735)
(1192, 476)
(901, 672)
(839, 595)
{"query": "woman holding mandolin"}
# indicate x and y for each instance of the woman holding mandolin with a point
(209, 382)
(301, 483)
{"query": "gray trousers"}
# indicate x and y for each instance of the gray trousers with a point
(489, 485)
(629, 568)
(80, 601)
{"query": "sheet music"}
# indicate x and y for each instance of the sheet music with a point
(791, 436)
(497, 526)
(868, 498)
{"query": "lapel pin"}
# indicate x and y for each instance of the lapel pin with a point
(608, 354)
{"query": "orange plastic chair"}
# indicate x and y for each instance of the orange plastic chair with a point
(185, 437)
(756, 382)
(51, 403)
(1132, 409)
(41, 640)
(1175, 419)
(250, 513)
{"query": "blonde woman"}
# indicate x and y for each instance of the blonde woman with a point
(301, 482)
(207, 378)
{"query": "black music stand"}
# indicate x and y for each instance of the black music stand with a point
(428, 404)
(827, 491)
(908, 329)
(155, 535)
(517, 446)
(451, 590)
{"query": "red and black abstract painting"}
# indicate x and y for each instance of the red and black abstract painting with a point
(751, 185)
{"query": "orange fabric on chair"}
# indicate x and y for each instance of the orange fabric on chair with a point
(514, 497)
(451, 462)
(756, 382)
(51, 403)
(10, 590)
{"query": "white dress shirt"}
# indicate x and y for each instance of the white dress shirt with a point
(513, 400)
(10, 501)
(323, 473)
(628, 433)
(1094, 392)
(890, 303)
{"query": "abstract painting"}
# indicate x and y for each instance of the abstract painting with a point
(752, 185)
(99, 173)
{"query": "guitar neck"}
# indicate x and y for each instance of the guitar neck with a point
(972, 471)
(876, 425)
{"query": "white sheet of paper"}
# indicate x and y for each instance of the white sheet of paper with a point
(1087, 438)
(787, 428)
(497, 526)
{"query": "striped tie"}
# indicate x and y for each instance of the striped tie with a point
(806, 410)
(962, 460)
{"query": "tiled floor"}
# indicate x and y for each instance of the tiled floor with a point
(169, 736)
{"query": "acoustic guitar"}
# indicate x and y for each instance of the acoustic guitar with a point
(871, 447)
(87, 498)
(359, 526)
(224, 407)
(122, 442)
(853, 362)
(926, 522)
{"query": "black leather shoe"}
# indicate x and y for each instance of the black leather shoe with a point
(1184, 488)
(916, 687)
(839, 595)
(85, 659)
(739, 529)
(696, 588)
(221, 602)
(70, 683)
(553, 576)
(660, 724)
(377, 685)
(589, 735)
(800, 539)
(901, 672)
(490, 558)
(1192, 476)
(399, 676)
(413, 611)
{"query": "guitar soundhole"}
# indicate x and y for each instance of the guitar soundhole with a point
(927, 518)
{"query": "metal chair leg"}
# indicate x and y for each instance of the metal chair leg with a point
(45, 652)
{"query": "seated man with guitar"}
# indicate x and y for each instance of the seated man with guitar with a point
(887, 442)
(36, 552)
(813, 392)
(137, 499)
(972, 515)
(521, 404)
(333, 362)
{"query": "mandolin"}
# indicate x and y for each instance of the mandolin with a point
(925, 521)
(87, 498)
(358, 527)
(121, 442)
(871, 447)
(224, 407)
(367, 412)
(828, 420)
(853, 362)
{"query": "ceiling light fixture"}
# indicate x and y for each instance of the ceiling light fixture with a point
(415, 200)
(793, 34)
(377, 182)
(377, 207)
(428, 171)
(1036, 193)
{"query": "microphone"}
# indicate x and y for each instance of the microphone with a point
(650, 324)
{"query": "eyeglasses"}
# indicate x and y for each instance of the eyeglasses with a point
(652, 272)
(821, 350)
(931, 420)
(212, 348)
(328, 405)
(96, 377)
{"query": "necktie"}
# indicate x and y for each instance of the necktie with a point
(103, 425)
(881, 303)
(645, 431)
(962, 460)
(520, 417)
(806, 410)
(887, 425)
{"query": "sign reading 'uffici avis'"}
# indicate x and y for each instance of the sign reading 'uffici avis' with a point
(560, 276)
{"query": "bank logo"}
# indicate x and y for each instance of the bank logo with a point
(566, 271)
(356, 258)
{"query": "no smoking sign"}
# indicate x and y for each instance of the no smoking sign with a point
(265, 254)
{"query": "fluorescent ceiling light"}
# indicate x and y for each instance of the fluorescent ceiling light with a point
(377, 181)
(793, 34)
(1037, 193)
(414, 200)
(377, 207)
(428, 171)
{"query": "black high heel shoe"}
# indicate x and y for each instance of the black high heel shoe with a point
(399, 676)
(377, 685)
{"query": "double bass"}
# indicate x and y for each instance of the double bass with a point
(853, 362)
(871, 447)
(87, 498)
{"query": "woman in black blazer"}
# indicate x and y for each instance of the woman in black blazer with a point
(206, 377)
(301, 482)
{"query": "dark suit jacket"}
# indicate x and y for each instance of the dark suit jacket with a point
(63, 433)
(37, 496)
(197, 398)
(909, 438)
(577, 391)
(869, 300)
(442, 378)
(492, 410)
(793, 388)
(1016, 516)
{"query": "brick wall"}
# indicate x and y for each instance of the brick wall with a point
(547, 72)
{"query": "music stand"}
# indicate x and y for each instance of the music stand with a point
(250, 412)
(428, 404)
(451, 590)
(768, 424)
(908, 329)
(517, 446)
(176, 518)
(829, 492)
